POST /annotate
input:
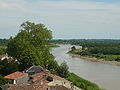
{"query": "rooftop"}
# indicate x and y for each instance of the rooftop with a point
(57, 77)
(15, 75)
(2, 56)
(25, 87)
(34, 69)
(43, 75)
(59, 88)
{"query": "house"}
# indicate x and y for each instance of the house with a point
(18, 77)
(39, 79)
(57, 80)
(52, 81)
(34, 69)
(4, 56)
(35, 78)
(58, 88)
(48, 79)
(24, 87)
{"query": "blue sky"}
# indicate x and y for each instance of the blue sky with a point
(66, 18)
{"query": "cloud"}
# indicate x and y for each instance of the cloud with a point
(79, 16)
(4, 4)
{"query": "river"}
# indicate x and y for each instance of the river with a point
(105, 75)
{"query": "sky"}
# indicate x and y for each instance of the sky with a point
(68, 19)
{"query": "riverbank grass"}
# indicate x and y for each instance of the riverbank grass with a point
(52, 45)
(98, 56)
(82, 83)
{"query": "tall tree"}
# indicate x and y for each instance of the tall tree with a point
(29, 46)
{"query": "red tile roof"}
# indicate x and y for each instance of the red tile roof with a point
(26, 87)
(59, 88)
(44, 82)
(43, 75)
(38, 76)
(2, 56)
(15, 75)
(57, 77)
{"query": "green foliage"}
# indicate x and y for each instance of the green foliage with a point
(73, 48)
(100, 48)
(2, 50)
(3, 42)
(52, 45)
(30, 46)
(53, 67)
(63, 70)
(4, 81)
(82, 83)
(76, 51)
(8, 67)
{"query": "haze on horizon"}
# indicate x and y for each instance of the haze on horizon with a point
(84, 19)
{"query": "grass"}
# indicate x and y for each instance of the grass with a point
(99, 56)
(76, 51)
(82, 83)
(52, 45)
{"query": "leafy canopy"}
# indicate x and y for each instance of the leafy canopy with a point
(30, 45)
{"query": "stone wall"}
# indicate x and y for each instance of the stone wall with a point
(22, 79)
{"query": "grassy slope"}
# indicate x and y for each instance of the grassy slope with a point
(82, 83)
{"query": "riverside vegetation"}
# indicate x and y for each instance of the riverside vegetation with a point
(31, 46)
(106, 49)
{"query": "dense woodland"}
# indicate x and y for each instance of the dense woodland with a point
(100, 48)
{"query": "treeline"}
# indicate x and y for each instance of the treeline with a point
(3, 42)
(94, 46)
(101, 47)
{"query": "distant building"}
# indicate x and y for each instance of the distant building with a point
(18, 77)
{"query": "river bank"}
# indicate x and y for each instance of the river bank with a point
(95, 59)
(104, 75)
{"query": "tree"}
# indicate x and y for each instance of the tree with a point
(73, 48)
(8, 67)
(4, 81)
(63, 70)
(29, 46)
(53, 66)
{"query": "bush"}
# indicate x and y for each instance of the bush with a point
(4, 81)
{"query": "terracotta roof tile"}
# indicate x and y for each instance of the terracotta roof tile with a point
(42, 75)
(57, 77)
(4, 55)
(26, 87)
(15, 75)
(59, 88)
(38, 76)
